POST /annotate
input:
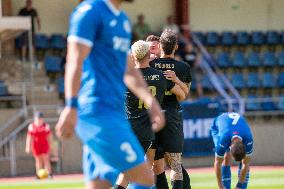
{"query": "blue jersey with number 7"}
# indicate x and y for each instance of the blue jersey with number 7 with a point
(227, 126)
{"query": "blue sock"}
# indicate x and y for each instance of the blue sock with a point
(245, 185)
(226, 176)
(138, 186)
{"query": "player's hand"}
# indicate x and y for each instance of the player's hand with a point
(66, 123)
(157, 116)
(171, 75)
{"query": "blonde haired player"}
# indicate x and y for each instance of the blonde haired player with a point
(136, 109)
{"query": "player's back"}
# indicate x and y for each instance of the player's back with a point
(182, 71)
(107, 31)
(233, 124)
(157, 83)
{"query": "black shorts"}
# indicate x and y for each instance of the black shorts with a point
(171, 138)
(160, 153)
(142, 128)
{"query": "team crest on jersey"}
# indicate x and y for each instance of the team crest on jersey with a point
(113, 23)
(126, 26)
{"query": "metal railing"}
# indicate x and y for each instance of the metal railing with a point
(8, 142)
(216, 77)
(260, 102)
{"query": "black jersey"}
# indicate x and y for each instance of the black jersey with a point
(183, 72)
(157, 83)
(136, 109)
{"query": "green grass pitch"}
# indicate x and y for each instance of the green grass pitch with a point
(264, 179)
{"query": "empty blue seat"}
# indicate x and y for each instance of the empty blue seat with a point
(281, 80)
(268, 104)
(238, 81)
(212, 39)
(273, 38)
(252, 104)
(280, 105)
(58, 41)
(206, 84)
(282, 37)
(257, 38)
(60, 85)
(200, 36)
(239, 59)
(281, 59)
(41, 42)
(253, 80)
(227, 38)
(223, 60)
(269, 59)
(53, 63)
(268, 80)
(3, 90)
(242, 38)
(254, 59)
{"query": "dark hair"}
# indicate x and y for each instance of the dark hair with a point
(152, 38)
(238, 150)
(168, 41)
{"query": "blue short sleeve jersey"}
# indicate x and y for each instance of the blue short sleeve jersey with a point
(107, 31)
(227, 126)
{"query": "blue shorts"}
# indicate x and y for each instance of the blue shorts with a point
(110, 147)
(215, 136)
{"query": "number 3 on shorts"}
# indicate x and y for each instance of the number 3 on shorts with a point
(235, 118)
(131, 155)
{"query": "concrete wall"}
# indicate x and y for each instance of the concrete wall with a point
(155, 11)
(268, 145)
(233, 15)
(268, 150)
(54, 14)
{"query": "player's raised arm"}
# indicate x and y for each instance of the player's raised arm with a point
(135, 82)
(218, 171)
(76, 54)
(170, 75)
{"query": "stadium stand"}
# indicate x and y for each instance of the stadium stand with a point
(253, 63)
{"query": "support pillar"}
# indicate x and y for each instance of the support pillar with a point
(6, 9)
(182, 12)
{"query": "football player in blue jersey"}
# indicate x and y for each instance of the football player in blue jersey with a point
(97, 56)
(233, 139)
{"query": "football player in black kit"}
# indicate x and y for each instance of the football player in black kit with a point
(171, 138)
(136, 110)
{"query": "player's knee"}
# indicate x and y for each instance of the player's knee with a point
(158, 167)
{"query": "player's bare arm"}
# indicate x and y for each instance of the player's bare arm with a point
(171, 75)
(28, 144)
(135, 82)
(178, 92)
(75, 56)
(244, 170)
(218, 171)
